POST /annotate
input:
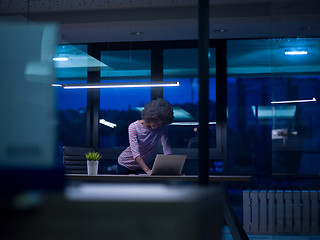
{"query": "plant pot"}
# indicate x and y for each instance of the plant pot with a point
(92, 167)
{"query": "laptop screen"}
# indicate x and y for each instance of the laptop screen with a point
(168, 164)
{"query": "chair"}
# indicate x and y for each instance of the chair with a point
(74, 159)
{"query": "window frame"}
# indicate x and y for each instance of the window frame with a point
(157, 48)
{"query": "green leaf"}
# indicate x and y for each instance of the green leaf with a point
(93, 156)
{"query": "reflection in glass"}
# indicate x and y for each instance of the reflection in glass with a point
(270, 128)
(126, 64)
(72, 61)
(71, 104)
(28, 117)
(118, 106)
(182, 65)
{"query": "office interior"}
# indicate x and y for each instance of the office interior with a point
(261, 104)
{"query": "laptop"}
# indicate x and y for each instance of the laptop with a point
(168, 164)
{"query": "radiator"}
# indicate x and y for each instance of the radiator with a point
(280, 211)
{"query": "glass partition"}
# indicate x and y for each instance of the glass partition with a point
(28, 122)
(273, 93)
(28, 161)
(71, 63)
(121, 106)
(182, 65)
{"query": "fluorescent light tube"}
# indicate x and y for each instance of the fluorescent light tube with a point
(295, 101)
(295, 52)
(121, 85)
(60, 59)
(106, 123)
(189, 123)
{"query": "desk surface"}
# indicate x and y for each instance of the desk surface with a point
(147, 178)
(229, 215)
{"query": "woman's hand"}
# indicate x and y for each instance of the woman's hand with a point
(143, 165)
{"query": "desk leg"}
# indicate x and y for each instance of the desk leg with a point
(233, 223)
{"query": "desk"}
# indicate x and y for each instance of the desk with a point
(120, 211)
(231, 219)
(146, 178)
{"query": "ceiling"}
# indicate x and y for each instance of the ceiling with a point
(84, 21)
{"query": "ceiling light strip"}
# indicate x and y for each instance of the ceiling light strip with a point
(60, 59)
(108, 124)
(121, 85)
(295, 101)
(296, 52)
(189, 123)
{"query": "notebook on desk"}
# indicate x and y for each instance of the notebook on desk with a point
(168, 164)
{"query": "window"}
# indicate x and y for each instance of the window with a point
(114, 109)
(121, 106)
(265, 134)
(71, 67)
(182, 65)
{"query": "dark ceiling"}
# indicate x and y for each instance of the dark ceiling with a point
(83, 21)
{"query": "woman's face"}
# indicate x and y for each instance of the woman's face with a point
(155, 124)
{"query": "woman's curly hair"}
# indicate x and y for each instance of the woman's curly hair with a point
(158, 110)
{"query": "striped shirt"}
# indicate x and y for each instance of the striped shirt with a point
(143, 142)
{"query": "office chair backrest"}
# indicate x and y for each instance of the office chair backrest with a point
(74, 159)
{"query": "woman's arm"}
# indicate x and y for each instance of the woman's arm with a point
(134, 144)
(165, 143)
(143, 165)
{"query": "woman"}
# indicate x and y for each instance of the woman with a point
(144, 136)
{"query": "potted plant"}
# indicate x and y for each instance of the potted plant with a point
(93, 162)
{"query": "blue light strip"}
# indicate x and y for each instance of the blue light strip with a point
(121, 85)
(189, 123)
(295, 101)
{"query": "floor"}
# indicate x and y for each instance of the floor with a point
(227, 236)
